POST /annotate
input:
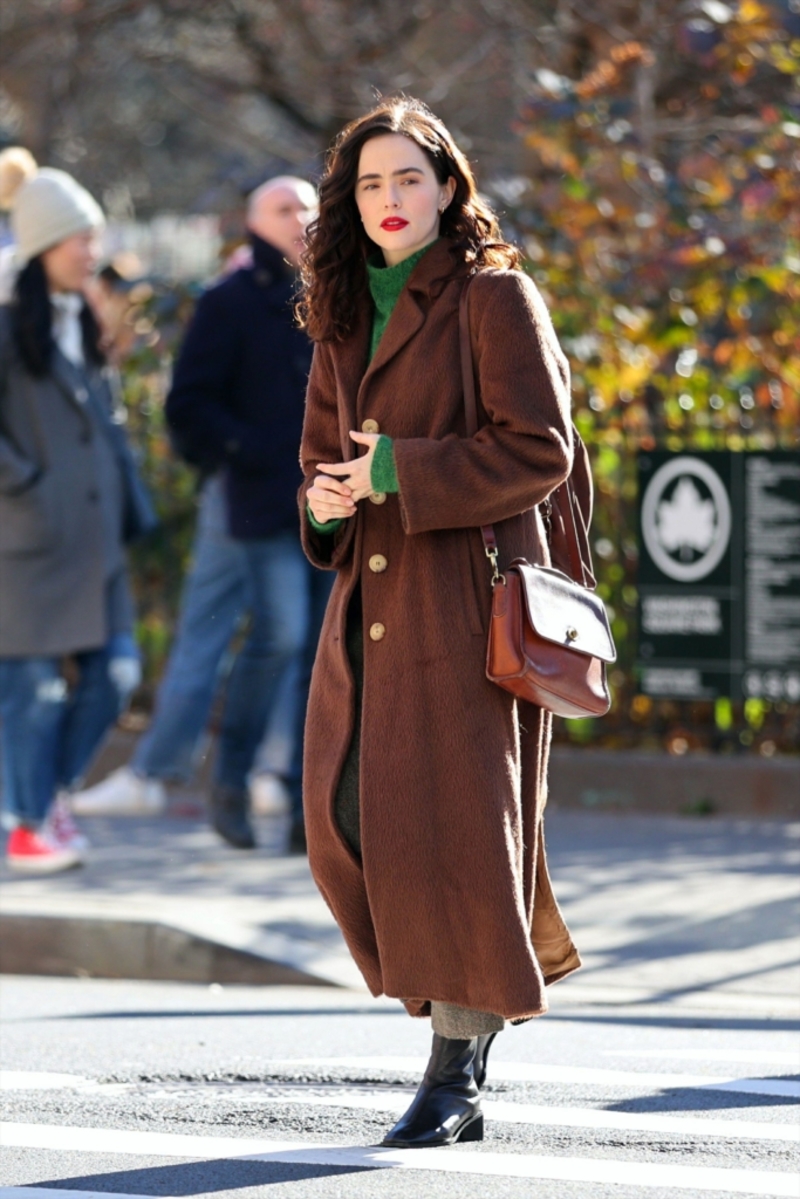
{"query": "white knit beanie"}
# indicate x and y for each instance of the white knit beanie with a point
(47, 206)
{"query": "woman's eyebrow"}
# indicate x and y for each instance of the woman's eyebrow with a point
(402, 171)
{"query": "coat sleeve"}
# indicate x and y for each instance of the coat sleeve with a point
(206, 430)
(321, 443)
(524, 450)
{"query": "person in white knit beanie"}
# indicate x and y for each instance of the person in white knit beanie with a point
(46, 205)
(70, 500)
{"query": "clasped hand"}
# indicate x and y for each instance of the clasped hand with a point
(340, 485)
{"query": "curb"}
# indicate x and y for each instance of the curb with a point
(89, 947)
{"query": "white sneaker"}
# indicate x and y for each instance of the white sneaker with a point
(269, 795)
(123, 793)
(61, 829)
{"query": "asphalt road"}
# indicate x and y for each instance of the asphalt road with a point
(616, 1103)
(669, 1067)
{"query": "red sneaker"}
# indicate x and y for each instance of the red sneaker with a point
(34, 852)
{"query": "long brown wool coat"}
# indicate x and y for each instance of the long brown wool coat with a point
(451, 900)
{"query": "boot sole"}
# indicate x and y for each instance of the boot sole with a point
(472, 1130)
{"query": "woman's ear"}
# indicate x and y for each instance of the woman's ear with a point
(448, 191)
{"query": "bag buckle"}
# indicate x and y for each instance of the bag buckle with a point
(546, 509)
(497, 577)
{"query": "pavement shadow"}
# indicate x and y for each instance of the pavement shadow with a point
(198, 1178)
(168, 1014)
(701, 1099)
(774, 920)
(738, 1023)
(578, 841)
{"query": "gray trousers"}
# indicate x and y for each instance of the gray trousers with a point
(447, 1019)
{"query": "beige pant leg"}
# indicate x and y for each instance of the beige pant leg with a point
(463, 1023)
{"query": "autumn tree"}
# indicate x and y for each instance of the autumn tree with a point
(661, 217)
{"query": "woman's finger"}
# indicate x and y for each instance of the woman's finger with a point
(327, 483)
(329, 498)
(327, 504)
(368, 439)
(335, 468)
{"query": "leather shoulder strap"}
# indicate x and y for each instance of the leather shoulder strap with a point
(563, 495)
(470, 399)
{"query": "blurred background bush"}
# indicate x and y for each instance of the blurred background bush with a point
(644, 153)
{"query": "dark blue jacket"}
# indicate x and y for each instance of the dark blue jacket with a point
(238, 393)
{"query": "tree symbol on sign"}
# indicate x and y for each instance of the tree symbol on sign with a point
(686, 522)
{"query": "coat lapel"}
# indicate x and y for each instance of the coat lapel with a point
(407, 319)
(69, 381)
(351, 361)
(354, 374)
(428, 279)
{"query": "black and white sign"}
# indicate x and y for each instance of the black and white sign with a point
(719, 575)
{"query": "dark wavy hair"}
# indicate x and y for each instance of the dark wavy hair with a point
(334, 274)
(32, 323)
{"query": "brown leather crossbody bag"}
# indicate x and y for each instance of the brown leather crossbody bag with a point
(549, 637)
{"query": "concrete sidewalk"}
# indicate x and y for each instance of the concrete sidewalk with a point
(698, 915)
(165, 897)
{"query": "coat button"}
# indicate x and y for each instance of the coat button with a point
(81, 395)
(377, 631)
(370, 426)
(93, 496)
(378, 564)
(378, 497)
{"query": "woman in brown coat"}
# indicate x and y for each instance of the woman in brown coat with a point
(424, 782)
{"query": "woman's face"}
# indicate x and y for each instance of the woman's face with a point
(399, 198)
(69, 265)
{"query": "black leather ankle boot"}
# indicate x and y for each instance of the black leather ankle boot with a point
(447, 1106)
(481, 1058)
(228, 810)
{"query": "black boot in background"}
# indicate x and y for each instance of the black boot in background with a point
(230, 816)
(447, 1106)
(481, 1058)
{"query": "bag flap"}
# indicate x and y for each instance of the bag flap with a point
(566, 613)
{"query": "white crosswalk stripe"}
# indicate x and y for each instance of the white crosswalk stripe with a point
(395, 1102)
(507, 1165)
(534, 1072)
(604, 1171)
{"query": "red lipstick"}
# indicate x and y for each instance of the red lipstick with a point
(393, 224)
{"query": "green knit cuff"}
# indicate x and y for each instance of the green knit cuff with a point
(328, 526)
(383, 475)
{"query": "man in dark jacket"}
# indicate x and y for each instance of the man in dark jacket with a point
(236, 405)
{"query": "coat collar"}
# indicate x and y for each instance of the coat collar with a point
(269, 265)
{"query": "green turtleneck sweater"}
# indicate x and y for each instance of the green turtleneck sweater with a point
(385, 285)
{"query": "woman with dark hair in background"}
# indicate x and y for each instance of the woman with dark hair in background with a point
(69, 501)
(424, 782)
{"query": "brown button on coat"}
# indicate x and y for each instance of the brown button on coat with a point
(451, 900)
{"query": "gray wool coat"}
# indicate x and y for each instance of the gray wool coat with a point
(63, 494)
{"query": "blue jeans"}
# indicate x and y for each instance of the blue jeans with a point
(215, 598)
(320, 585)
(279, 592)
(286, 600)
(49, 734)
